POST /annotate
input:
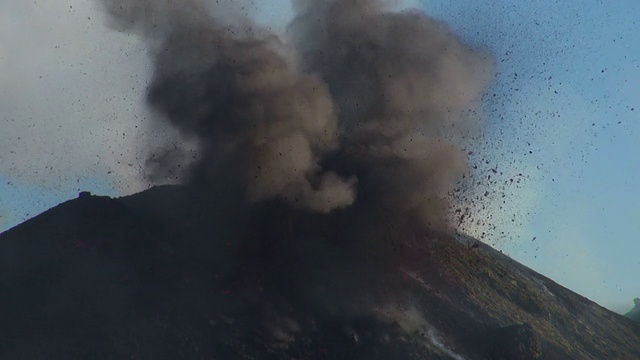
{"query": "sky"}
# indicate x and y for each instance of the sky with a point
(567, 86)
(563, 111)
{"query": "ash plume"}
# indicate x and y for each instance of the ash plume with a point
(341, 142)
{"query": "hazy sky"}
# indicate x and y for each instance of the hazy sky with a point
(565, 114)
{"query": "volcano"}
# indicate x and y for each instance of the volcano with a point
(154, 276)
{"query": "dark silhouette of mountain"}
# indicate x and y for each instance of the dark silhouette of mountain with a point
(634, 314)
(155, 276)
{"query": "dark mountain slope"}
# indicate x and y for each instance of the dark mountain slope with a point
(155, 276)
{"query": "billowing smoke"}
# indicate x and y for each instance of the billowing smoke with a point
(341, 141)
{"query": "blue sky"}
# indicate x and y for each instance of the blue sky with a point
(566, 114)
(575, 99)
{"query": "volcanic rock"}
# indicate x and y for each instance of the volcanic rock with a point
(153, 276)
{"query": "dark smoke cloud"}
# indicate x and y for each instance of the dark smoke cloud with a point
(353, 126)
(402, 82)
(389, 87)
(249, 106)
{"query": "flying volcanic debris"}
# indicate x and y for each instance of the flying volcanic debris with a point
(341, 141)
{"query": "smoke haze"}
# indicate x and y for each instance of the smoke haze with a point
(340, 142)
